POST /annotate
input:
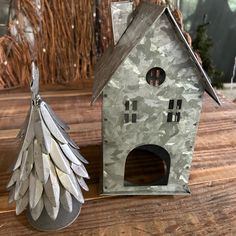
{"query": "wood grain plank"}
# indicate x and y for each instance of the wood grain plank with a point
(202, 213)
(73, 109)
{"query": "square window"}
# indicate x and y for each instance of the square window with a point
(174, 108)
(127, 105)
(134, 118)
(171, 104)
(177, 116)
(134, 105)
(169, 117)
(179, 104)
(130, 113)
(126, 118)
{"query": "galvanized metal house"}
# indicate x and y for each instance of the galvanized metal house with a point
(152, 86)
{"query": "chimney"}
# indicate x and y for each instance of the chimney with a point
(121, 15)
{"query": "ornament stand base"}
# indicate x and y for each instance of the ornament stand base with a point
(64, 218)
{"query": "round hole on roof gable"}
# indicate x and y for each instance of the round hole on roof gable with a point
(155, 76)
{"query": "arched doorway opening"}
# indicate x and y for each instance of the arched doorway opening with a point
(147, 165)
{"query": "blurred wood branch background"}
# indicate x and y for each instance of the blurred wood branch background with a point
(64, 37)
(61, 40)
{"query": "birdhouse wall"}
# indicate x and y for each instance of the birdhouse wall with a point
(160, 47)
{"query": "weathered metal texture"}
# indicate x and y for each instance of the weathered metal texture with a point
(160, 47)
(121, 14)
(143, 18)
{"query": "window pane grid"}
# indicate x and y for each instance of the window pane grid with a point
(174, 107)
(131, 108)
(134, 105)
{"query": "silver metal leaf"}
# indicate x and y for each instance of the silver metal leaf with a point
(69, 140)
(59, 159)
(42, 133)
(51, 125)
(29, 136)
(66, 200)
(51, 210)
(78, 155)
(22, 203)
(20, 188)
(35, 190)
(70, 183)
(38, 165)
(11, 195)
(41, 163)
(19, 159)
(46, 167)
(72, 142)
(15, 176)
(52, 187)
(80, 197)
(62, 124)
(27, 162)
(23, 162)
(36, 212)
(80, 170)
(69, 154)
(82, 183)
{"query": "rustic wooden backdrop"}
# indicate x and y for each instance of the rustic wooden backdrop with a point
(62, 43)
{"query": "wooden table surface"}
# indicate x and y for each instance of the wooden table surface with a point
(209, 210)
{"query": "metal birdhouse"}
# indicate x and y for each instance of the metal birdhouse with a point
(152, 87)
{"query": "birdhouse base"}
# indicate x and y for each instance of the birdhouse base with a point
(147, 190)
(142, 193)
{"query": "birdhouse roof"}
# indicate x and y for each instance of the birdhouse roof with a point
(144, 16)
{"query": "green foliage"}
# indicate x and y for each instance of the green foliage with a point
(202, 44)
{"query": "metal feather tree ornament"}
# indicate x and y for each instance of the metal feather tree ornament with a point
(49, 172)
